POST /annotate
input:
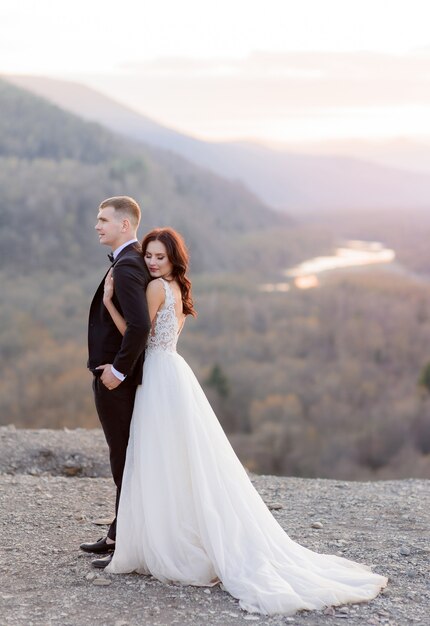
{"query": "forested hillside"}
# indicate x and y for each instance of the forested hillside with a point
(324, 382)
(327, 382)
(55, 169)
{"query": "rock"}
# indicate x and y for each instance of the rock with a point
(103, 521)
(405, 551)
(387, 592)
(72, 469)
(102, 582)
(275, 506)
(317, 525)
(91, 576)
(79, 452)
(329, 611)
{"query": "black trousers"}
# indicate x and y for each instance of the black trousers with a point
(115, 409)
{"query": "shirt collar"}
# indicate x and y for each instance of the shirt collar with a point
(124, 245)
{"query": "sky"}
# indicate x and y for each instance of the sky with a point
(274, 70)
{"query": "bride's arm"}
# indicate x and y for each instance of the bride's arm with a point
(155, 297)
(116, 316)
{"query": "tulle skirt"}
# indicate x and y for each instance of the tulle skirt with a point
(189, 514)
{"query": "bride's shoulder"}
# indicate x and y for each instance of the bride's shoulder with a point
(156, 284)
(155, 288)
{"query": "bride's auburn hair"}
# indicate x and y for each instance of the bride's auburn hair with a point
(178, 256)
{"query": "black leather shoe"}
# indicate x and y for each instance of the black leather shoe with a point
(102, 563)
(99, 547)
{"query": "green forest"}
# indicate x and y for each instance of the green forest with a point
(329, 382)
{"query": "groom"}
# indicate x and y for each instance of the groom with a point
(116, 361)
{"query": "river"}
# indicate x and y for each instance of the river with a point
(354, 253)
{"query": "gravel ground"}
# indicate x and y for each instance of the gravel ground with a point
(45, 512)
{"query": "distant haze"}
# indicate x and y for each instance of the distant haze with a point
(289, 97)
(401, 152)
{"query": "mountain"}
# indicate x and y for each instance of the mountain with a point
(401, 152)
(287, 180)
(56, 168)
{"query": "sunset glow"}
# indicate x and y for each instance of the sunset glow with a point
(282, 71)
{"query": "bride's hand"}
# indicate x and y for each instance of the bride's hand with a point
(108, 287)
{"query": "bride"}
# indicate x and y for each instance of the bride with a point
(188, 512)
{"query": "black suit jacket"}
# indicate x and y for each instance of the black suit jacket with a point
(105, 342)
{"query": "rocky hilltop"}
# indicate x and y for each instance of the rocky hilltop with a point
(56, 491)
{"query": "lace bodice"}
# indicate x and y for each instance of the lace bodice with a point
(165, 329)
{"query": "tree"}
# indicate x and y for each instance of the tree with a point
(218, 381)
(425, 377)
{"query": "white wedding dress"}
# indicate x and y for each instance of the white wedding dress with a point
(188, 513)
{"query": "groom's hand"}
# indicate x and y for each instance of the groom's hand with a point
(108, 378)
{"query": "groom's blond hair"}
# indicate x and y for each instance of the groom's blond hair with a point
(125, 207)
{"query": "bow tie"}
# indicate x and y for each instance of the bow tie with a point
(111, 257)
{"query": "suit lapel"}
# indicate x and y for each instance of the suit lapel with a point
(135, 246)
